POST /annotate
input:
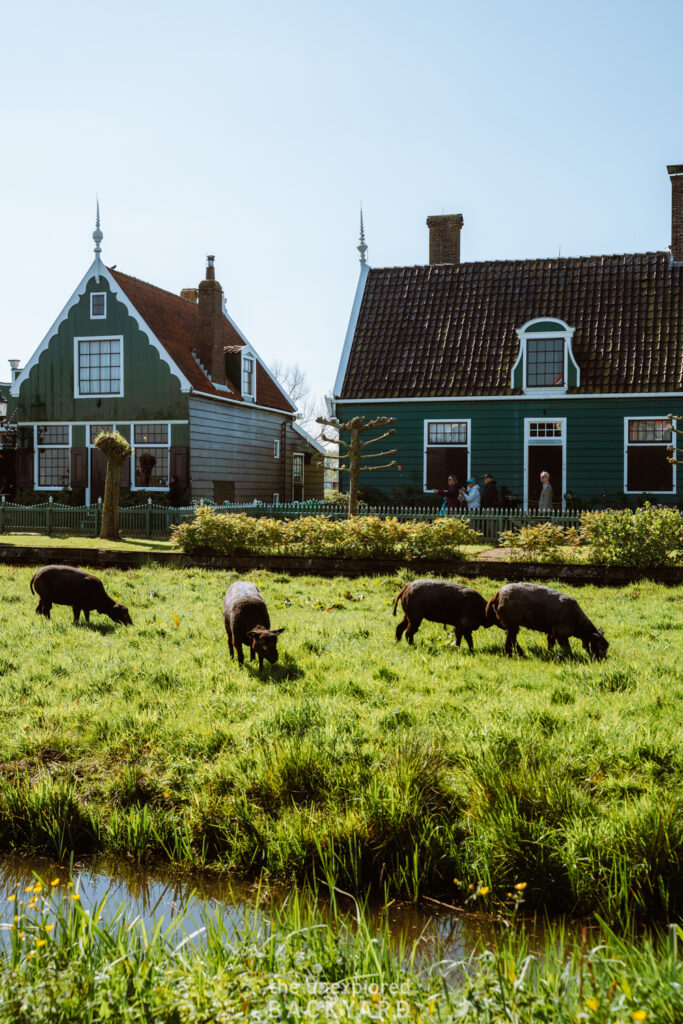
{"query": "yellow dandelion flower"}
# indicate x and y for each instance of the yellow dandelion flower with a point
(176, 620)
(485, 889)
(38, 887)
(75, 896)
(12, 897)
(593, 1004)
(471, 888)
(69, 885)
(29, 888)
(55, 881)
(16, 918)
(20, 934)
(639, 1015)
(456, 881)
(520, 885)
(167, 793)
(41, 942)
(375, 997)
(49, 927)
(30, 955)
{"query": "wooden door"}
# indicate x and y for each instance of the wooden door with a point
(546, 457)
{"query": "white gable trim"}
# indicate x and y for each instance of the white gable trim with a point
(311, 440)
(258, 359)
(96, 269)
(351, 329)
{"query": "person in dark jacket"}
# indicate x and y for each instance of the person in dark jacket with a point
(490, 495)
(451, 494)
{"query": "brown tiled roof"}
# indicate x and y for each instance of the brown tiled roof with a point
(450, 329)
(174, 322)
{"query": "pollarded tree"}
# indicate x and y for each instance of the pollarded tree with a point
(350, 461)
(116, 450)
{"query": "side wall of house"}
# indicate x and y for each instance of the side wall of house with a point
(593, 433)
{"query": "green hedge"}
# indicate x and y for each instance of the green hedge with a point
(648, 537)
(362, 537)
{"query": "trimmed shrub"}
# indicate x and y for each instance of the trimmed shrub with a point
(541, 542)
(649, 536)
(360, 537)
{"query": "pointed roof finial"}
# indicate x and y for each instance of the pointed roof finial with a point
(362, 248)
(97, 237)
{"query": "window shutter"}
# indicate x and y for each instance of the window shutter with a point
(179, 460)
(24, 469)
(125, 472)
(79, 467)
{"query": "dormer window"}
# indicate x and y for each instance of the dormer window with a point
(98, 305)
(545, 365)
(248, 377)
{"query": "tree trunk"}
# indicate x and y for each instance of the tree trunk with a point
(110, 506)
(354, 470)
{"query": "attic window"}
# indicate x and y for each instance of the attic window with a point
(545, 364)
(98, 367)
(98, 305)
(248, 377)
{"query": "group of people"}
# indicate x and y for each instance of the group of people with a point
(472, 496)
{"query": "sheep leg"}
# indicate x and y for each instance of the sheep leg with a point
(77, 613)
(44, 608)
(86, 615)
(458, 635)
(551, 641)
(402, 626)
(231, 647)
(412, 630)
(511, 644)
(468, 636)
(563, 641)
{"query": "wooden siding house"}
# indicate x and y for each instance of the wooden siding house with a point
(177, 378)
(517, 366)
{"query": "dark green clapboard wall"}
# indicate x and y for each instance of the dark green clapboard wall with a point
(594, 449)
(151, 391)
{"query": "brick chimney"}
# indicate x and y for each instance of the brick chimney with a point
(444, 238)
(210, 325)
(676, 175)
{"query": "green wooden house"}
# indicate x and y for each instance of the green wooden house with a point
(513, 367)
(176, 377)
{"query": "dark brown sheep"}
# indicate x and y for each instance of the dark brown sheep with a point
(62, 584)
(547, 611)
(247, 622)
(440, 601)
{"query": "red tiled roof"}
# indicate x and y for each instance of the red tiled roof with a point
(174, 322)
(450, 329)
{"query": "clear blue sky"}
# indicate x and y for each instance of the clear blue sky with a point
(254, 130)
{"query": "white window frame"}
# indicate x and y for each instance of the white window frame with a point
(135, 444)
(98, 316)
(49, 447)
(302, 456)
(663, 444)
(549, 442)
(249, 395)
(94, 394)
(426, 445)
(276, 498)
(525, 335)
(276, 448)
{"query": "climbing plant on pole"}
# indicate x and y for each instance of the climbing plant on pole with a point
(352, 459)
(116, 450)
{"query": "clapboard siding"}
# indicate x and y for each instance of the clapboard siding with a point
(594, 446)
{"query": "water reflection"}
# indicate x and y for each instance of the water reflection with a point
(159, 894)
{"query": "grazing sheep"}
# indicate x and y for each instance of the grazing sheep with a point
(62, 584)
(547, 611)
(247, 622)
(440, 601)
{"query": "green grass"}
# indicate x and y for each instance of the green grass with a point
(41, 540)
(305, 960)
(417, 771)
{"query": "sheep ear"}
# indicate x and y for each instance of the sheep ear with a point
(278, 631)
(600, 632)
(253, 634)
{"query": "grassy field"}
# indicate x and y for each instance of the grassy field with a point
(475, 779)
(41, 540)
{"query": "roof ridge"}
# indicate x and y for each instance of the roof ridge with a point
(148, 284)
(531, 259)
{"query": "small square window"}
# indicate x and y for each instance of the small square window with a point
(98, 305)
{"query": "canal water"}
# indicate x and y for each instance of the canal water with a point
(161, 895)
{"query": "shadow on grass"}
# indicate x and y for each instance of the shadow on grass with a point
(283, 671)
(104, 628)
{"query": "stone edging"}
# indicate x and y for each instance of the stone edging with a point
(602, 575)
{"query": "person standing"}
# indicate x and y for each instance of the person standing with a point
(451, 494)
(491, 496)
(471, 494)
(545, 502)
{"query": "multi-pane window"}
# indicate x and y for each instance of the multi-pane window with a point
(545, 428)
(298, 467)
(446, 452)
(99, 367)
(545, 362)
(53, 455)
(150, 441)
(248, 382)
(100, 428)
(647, 465)
(98, 305)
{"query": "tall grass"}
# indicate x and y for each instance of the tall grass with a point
(394, 768)
(63, 963)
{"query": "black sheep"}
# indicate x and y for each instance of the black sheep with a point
(547, 611)
(440, 601)
(247, 622)
(63, 584)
